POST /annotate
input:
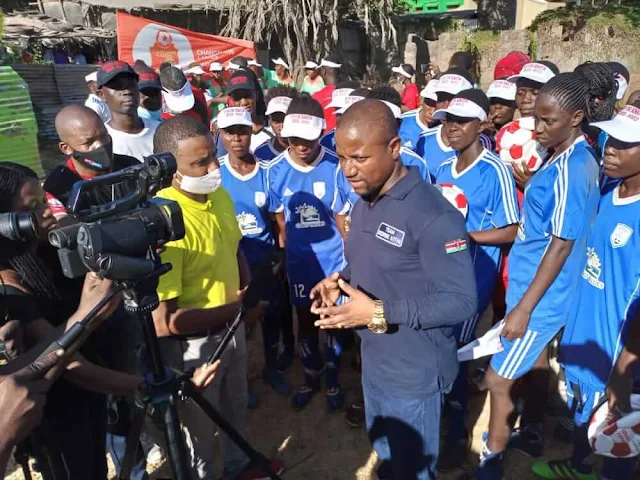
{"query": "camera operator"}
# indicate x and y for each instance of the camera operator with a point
(200, 295)
(70, 444)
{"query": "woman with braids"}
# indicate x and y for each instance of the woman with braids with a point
(558, 208)
(278, 100)
(71, 439)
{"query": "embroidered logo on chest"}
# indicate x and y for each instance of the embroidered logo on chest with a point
(621, 235)
(390, 235)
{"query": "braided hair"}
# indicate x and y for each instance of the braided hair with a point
(17, 256)
(602, 90)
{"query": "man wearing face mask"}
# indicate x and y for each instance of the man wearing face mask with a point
(200, 296)
(88, 148)
(150, 106)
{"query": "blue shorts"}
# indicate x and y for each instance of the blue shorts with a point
(520, 355)
(582, 407)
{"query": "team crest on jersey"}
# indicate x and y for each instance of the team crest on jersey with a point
(621, 235)
(248, 223)
(309, 217)
(319, 189)
(260, 199)
(593, 269)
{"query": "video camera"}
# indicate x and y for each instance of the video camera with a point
(119, 239)
(19, 227)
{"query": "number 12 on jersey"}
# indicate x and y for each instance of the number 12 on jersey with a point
(299, 290)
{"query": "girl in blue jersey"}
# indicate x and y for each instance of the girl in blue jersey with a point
(246, 181)
(606, 299)
(492, 222)
(305, 194)
(558, 209)
(278, 101)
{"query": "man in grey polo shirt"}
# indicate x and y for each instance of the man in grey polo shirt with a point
(410, 279)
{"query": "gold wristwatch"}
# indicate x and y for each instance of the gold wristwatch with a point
(378, 323)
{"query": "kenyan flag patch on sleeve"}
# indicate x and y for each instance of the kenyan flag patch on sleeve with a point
(455, 246)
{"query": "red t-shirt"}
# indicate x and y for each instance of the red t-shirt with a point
(411, 96)
(324, 98)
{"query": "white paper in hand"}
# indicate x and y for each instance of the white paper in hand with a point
(486, 345)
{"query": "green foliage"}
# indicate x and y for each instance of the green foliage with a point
(624, 17)
(480, 41)
(1, 25)
(533, 44)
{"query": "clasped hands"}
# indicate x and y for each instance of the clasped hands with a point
(357, 312)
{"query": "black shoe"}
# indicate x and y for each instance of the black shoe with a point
(355, 416)
(453, 454)
(564, 430)
(528, 441)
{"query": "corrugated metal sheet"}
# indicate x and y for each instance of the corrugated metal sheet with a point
(18, 127)
(44, 95)
(70, 82)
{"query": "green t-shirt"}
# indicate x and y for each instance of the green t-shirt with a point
(272, 80)
(312, 87)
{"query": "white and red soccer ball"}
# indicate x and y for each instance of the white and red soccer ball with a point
(455, 196)
(516, 143)
(614, 435)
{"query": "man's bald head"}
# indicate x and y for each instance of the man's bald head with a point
(73, 119)
(80, 130)
(369, 117)
(368, 145)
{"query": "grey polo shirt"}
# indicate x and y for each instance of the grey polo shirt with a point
(409, 249)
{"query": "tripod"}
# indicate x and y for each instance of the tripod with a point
(168, 388)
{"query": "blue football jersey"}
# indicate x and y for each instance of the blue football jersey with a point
(412, 159)
(250, 196)
(560, 200)
(309, 197)
(607, 294)
(328, 140)
(411, 128)
(490, 191)
(267, 152)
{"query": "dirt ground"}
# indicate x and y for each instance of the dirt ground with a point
(317, 445)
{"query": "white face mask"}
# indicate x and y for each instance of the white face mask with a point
(208, 183)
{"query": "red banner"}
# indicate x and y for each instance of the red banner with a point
(154, 43)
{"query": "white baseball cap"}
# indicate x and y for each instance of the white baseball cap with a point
(179, 101)
(233, 66)
(622, 86)
(280, 61)
(196, 70)
(348, 101)
(338, 96)
(216, 67)
(397, 112)
(278, 104)
(232, 116)
(92, 77)
(303, 126)
(429, 91)
(534, 71)
(625, 126)
(254, 63)
(311, 65)
(329, 63)
(452, 83)
(463, 108)
(503, 89)
(401, 71)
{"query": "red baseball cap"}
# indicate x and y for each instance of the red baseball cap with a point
(510, 65)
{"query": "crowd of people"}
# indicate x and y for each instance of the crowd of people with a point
(403, 216)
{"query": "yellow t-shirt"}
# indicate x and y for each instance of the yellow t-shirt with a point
(205, 263)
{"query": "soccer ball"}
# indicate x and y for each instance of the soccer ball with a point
(516, 142)
(613, 435)
(455, 196)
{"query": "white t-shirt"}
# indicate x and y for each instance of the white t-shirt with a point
(99, 106)
(137, 145)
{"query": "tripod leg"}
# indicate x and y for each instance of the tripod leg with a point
(256, 457)
(133, 442)
(175, 441)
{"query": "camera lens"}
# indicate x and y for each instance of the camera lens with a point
(20, 226)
